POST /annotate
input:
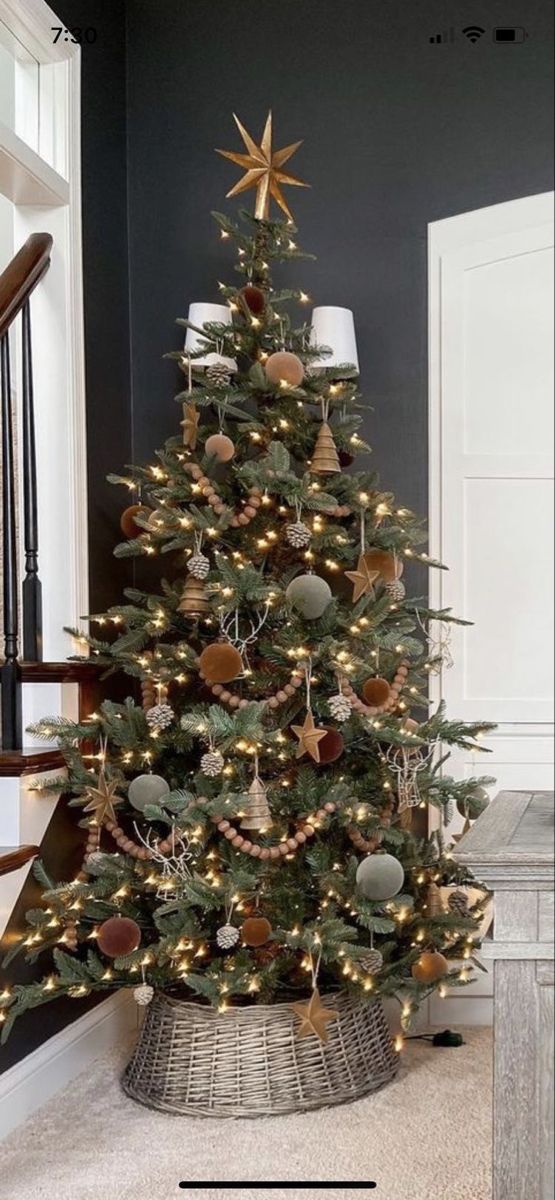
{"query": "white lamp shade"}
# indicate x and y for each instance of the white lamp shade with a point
(334, 327)
(199, 315)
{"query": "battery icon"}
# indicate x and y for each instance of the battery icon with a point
(512, 33)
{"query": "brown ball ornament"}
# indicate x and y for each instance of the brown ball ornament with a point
(430, 967)
(389, 566)
(254, 299)
(221, 662)
(284, 367)
(345, 458)
(255, 931)
(119, 936)
(331, 746)
(128, 523)
(376, 691)
(220, 446)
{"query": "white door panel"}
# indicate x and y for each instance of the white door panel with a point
(491, 477)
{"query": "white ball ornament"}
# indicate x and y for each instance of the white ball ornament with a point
(145, 790)
(380, 876)
(310, 595)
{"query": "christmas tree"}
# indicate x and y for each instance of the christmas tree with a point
(256, 813)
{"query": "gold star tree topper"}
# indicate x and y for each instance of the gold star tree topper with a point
(263, 171)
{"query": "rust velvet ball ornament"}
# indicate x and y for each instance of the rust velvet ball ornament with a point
(254, 299)
(389, 566)
(119, 936)
(220, 446)
(221, 662)
(376, 691)
(255, 931)
(345, 458)
(331, 746)
(430, 967)
(128, 523)
(284, 368)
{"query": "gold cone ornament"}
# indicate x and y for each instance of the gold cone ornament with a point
(325, 459)
(434, 901)
(194, 600)
(258, 815)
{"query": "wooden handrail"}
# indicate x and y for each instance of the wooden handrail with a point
(21, 277)
(13, 859)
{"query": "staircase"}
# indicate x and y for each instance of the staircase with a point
(29, 687)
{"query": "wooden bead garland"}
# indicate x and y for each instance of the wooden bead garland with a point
(236, 701)
(252, 504)
(369, 845)
(276, 853)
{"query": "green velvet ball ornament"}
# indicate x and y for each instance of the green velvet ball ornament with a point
(310, 595)
(473, 803)
(145, 790)
(380, 876)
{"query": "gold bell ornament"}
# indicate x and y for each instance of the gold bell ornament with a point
(258, 815)
(194, 600)
(325, 459)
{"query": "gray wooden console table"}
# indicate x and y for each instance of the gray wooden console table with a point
(510, 849)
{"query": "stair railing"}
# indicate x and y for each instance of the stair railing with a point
(17, 283)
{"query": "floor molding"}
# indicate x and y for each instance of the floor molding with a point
(31, 1082)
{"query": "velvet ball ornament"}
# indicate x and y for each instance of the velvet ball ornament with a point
(284, 367)
(430, 967)
(255, 931)
(310, 595)
(474, 803)
(128, 523)
(345, 458)
(380, 876)
(145, 790)
(220, 446)
(376, 691)
(119, 936)
(387, 564)
(221, 662)
(254, 299)
(331, 746)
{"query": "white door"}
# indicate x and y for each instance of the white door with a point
(491, 479)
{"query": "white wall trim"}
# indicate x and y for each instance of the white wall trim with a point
(31, 1083)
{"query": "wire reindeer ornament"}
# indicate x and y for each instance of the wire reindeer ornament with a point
(174, 866)
(439, 648)
(230, 628)
(407, 764)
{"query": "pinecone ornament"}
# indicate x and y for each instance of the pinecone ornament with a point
(217, 375)
(159, 716)
(298, 534)
(212, 763)
(227, 937)
(458, 903)
(340, 707)
(198, 565)
(396, 590)
(371, 962)
(143, 995)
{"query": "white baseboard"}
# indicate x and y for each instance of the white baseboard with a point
(31, 1082)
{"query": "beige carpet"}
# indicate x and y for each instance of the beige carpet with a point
(425, 1137)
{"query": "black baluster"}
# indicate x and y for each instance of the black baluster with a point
(32, 587)
(10, 675)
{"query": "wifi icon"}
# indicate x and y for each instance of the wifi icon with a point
(473, 32)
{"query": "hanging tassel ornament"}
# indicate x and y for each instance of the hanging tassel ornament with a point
(194, 601)
(258, 815)
(325, 459)
(198, 565)
(297, 533)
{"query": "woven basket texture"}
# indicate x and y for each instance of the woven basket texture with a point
(249, 1062)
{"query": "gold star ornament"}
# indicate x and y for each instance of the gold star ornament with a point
(314, 1017)
(363, 578)
(190, 424)
(309, 736)
(262, 166)
(102, 800)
